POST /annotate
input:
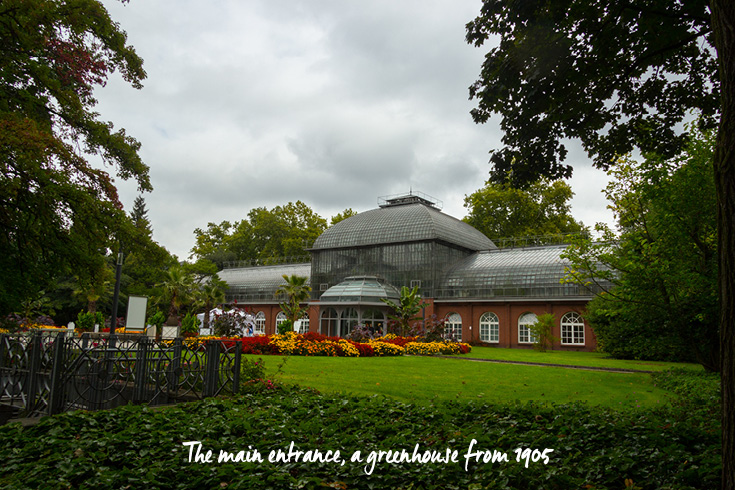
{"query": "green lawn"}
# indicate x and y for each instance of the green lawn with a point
(594, 359)
(423, 379)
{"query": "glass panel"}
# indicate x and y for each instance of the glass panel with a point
(489, 327)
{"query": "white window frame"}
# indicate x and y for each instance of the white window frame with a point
(280, 318)
(453, 326)
(330, 316)
(524, 333)
(572, 329)
(489, 328)
(259, 324)
(303, 323)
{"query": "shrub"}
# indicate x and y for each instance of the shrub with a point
(429, 330)
(361, 333)
(87, 320)
(541, 330)
(230, 324)
(285, 326)
(190, 326)
(251, 369)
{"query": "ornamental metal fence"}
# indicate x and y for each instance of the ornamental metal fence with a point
(46, 373)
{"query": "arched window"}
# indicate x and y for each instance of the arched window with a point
(348, 320)
(572, 329)
(280, 318)
(260, 323)
(524, 334)
(489, 327)
(328, 323)
(374, 320)
(302, 324)
(453, 327)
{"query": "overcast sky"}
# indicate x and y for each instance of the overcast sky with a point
(331, 102)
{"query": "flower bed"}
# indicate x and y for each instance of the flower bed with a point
(315, 344)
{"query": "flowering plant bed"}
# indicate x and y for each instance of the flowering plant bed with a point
(315, 344)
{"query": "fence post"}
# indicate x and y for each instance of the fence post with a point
(55, 402)
(34, 361)
(141, 369)
(236, 368)
(211, 372)
(174, 369)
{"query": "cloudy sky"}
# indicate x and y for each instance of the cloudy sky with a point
(331, 102)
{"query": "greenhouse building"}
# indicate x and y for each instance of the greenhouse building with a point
(486, 294)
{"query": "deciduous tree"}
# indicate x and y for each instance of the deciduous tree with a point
(55, 205)
(618, 75)
(661, 263)
(502, 211)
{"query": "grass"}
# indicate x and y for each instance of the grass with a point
(592, 359)
(422, 380)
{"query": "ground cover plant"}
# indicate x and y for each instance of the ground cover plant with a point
(672, 447)
(424, 380)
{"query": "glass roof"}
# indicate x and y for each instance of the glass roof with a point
(260, 283)
(402, 223)
(521, 272)
(360, 289)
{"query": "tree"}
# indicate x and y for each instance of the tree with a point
(178, 287)
(502, 211)
(56, 206)
(617, 75)
(139, 216)
(661, 263)
(296, 292)
(210, 295)
(265, 235)
(407, 309)
(347, 213)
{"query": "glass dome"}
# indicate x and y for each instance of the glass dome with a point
(400, 222)
(360, 290)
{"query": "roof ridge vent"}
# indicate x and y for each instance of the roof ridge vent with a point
(412, 197)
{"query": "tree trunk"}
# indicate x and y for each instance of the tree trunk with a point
(723, 25)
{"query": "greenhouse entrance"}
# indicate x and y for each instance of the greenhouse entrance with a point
(356, 301)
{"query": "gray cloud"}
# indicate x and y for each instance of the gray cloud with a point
(334, 103)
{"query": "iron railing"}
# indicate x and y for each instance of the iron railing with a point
(46, 373)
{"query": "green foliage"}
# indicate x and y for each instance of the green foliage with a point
(230, 324)
(501, 211)
(86, 320)
(251, 369)
(593, 447)
(285, 326)
(265, 235)
(296, 292)
(541, 331)
(347, 213)
(177, 290)
(189, 324)
(602, 72)
(663, 262)
(694, 389)
(209, 295)
(59, 210)
(158, 319)
(407, 309)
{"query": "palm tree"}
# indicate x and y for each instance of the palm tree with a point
(296, 291)
(178, 286)
(211, 294)
(408, 307)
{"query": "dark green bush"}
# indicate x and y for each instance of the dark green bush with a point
(136, 447)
